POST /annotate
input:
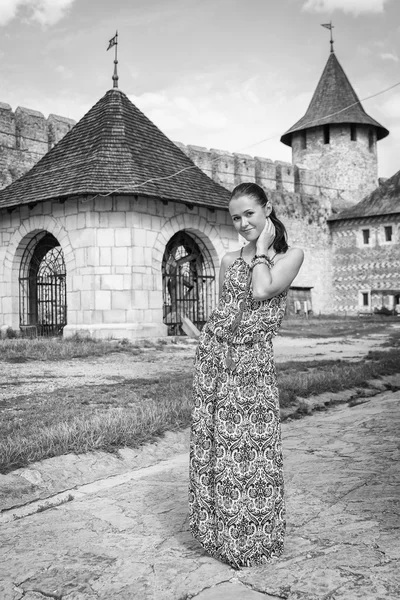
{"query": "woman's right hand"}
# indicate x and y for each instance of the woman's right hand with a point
(266, 237)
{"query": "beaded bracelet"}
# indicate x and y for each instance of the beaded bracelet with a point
(261, 259)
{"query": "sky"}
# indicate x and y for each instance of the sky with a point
(223, 74)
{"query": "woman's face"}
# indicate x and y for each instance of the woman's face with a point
(248, 216)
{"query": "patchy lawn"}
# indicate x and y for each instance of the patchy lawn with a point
(326, 327)
(135, 411)
(19, 350)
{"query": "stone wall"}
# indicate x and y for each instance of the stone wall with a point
(113, 249)
(26, 136)
(305, 218)
(229, 170)
(360, 267)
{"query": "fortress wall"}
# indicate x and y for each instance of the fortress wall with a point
(305, 218)
(25, 136)
(229, 169)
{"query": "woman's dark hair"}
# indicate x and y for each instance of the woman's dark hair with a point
(255, 191)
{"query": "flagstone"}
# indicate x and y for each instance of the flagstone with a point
(127, 535)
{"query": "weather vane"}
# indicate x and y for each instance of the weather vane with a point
(330, 27)
(114, 42)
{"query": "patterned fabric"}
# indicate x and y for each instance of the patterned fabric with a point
(236, 500)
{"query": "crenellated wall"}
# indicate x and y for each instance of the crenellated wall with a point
(25, 136)
(230, 169)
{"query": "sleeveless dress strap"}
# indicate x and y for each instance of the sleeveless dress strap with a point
(241, 252)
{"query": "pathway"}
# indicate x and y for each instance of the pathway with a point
(126, 537)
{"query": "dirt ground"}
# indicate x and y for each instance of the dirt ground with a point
(172, 358)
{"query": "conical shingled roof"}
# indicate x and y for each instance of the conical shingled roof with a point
(384, 200)
(115, 147)
(333, 95)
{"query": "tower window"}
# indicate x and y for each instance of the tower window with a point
(365, 233)
(370, 140)
(303, 140)
(388, 233)
(353, 132)
(365, 298)
(326, 134)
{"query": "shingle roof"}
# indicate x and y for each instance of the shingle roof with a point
(115, 147)
(334, 93)
(384, 200)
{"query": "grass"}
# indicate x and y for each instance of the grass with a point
(108, 417)
(19, 350)
(324, 327)
(103, 417)
(305, 379)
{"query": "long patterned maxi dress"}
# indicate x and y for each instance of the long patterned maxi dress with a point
(236, 496)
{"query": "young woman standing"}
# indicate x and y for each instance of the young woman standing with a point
(236, 495)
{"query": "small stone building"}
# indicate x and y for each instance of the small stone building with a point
(366, 252)
(99, 238)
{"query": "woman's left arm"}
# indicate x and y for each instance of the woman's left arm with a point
(269, 282)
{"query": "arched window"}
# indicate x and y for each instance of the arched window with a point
(42, 287)
(188, 282)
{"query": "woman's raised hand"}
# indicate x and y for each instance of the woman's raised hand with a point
(266, 237)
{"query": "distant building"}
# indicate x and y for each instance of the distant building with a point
(366, 252)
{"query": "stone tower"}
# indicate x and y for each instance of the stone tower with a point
(337, 139)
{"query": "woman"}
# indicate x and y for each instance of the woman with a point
(236, 499)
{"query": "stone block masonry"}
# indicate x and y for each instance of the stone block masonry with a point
(114, 263)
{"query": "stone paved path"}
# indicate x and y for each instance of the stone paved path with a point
(127, 537)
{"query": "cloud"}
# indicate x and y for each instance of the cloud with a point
(356, 7)
(389, 56)
(391, 107)
(45, 12)
(64, 71)
(173, 112)
(217, 111)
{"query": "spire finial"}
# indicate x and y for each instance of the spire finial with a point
(114, 42)
(330, 27)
